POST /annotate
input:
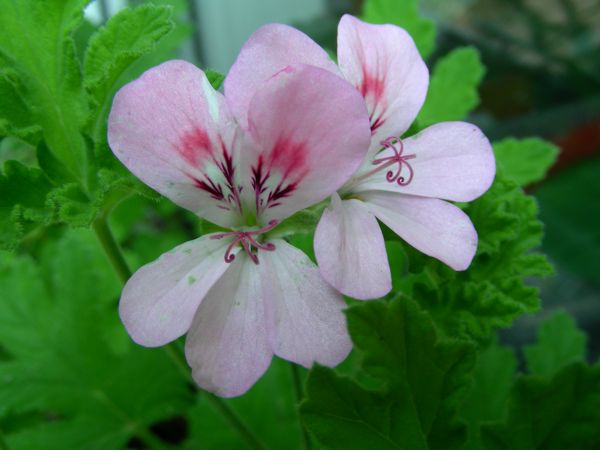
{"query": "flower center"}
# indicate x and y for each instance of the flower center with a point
(248, 242)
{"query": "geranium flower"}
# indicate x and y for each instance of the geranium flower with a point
(402, 182)
(240, 298)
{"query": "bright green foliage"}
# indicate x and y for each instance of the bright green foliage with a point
(487, 400)
(408, 389)
(525, 161)
(111, 51)
(268, 409)
(405, 14)
(14, 115)
(559, 343)
(453, 87)
(36, 43)
(555, 414)
(69, 356)
(215, 78)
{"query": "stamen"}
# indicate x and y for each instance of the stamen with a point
(396, 158)
(247, 241)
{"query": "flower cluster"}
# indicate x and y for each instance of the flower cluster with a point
(291, 130)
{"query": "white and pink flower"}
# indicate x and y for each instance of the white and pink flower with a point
(244, 162)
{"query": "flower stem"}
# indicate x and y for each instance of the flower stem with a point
(115, 256)
(229, 414)
(298, 392)
(111, 249)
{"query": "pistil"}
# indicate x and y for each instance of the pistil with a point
(247, 241)
(397, 158)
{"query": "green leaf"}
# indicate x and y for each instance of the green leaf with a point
(406, 15)
(215, 78)
(525, 161)
(487, 400)
(116, 46)
(555, 414)
(23, 206)
(62, 333)
(36, 44)
(15, 119)
(559, 343)
(453, 87)
(407, 392)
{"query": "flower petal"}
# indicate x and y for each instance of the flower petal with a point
(350, 250)
(175, 133)
(306, 312)
(228, 345)
(433, 226)
(311, 132)
(453, 161)
(159, 301)
(384, 64)
(269, 50)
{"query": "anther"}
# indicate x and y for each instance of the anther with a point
(247, 241)
(396, 158)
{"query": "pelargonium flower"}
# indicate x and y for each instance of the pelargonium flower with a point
(402, 182)
(240, 298)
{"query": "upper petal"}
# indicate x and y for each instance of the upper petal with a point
(159, 301)
(307, 317)
(452, 160)
(270, 49)
(228, 344)
(175, 133)
(435, 227)
(311, 132)
(350, 250)
(384, 64)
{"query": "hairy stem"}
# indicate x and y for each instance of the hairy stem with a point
(111, 249)
(298, 392)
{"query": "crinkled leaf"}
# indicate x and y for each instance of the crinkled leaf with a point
(453, 87)
(57, 324)
(15, 119)
(555, 414)
(487, 400)
(525, 161)
(406, 15)
(415, 384)
(559, 343)
(36, 43)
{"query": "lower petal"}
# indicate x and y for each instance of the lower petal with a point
(159, 301)
(350, 250)
(309, 325)
(228, 342)
(435, 227)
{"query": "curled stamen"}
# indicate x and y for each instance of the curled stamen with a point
(247, 241)
(396, 158)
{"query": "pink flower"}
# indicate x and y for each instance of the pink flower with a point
(405, 185)
(239, 297)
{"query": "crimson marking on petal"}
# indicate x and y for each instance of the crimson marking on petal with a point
(288, 156)
(195, 145)
(248, 242)
(396, 158)
(372, 89)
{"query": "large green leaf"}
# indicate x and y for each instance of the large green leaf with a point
(407, 392)
(68, 356)
(525, 161)
(36, 43)
(453, 87)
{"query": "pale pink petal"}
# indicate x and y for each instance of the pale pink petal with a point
(159, 301)
(311, 132)
(350, 250)
(175, 133)
(228, 345)
(433, 226)
(308, 323)
(452, 160)
(384, 64)
(270, 49)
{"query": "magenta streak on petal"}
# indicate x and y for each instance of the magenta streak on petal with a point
(396, 158)
(374, 88)
(194, 146)
(289, 158)
(248, 242)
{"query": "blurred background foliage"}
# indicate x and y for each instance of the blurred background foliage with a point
(541, 78)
